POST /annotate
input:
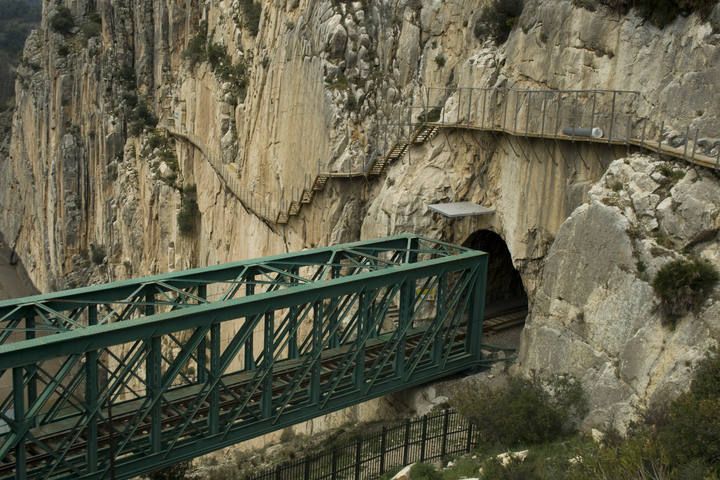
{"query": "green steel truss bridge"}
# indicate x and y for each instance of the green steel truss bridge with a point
(117, 380)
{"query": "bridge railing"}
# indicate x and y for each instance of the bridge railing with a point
(282, 340)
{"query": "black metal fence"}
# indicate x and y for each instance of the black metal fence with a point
(431, 437)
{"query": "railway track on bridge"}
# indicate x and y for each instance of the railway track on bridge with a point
(137, 375)
(54, 435)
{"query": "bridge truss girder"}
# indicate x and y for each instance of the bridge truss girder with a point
(136, 375)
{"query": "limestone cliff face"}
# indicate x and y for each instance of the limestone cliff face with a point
(87, 194)
(595, 304)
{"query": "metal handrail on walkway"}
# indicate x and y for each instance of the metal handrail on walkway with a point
(596, 116)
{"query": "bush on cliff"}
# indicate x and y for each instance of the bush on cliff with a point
(251, 13)
(676, 440)
(189, 212)
(62, 21)
(497, 19)
(658, 12)
(524, 412)
(683, 285)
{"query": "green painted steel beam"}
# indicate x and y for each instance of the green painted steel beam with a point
(120, 290)
(100, 336)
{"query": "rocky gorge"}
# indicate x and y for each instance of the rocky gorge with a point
(94, 189)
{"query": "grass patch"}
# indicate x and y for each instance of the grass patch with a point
(682, 286)
(424, 471)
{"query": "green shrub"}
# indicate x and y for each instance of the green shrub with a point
(63, 50)
(440, 60)
(682, 286)
(658, 12)
(196, 50)
(91, 29)
(189, 211)
(62, 21)
(251, 13)
(217, 55)
(497, 19)
(706, 377)
(678, 440)
(126, 76)
(515, 470)
(97, 254)
(141, 117)
(424, 471)
(524, 412)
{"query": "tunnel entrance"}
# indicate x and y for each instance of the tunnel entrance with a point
(506, 302)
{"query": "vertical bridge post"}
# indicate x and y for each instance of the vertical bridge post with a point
(91, 397)
(477, 310)
(18, 381)
(407, 303)
(153, 379)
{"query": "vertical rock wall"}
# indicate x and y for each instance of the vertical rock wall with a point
(87, 196)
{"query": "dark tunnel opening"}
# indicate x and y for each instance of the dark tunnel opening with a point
(505, 291)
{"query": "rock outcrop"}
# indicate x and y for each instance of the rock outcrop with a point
(596, 314)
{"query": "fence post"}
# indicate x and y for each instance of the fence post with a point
(334, 465)
(277, 473)
(383, 445)
(469, 121)
(424, 438)
(687, 140)
(407, 443)
(482, 124)
(660, 135)
(517, 111)
(542, 123)
(358, 458)
(458, 115)
(468, 446)
(307, 468)
(506, 101)
(642, 139)
(446, 419)
(557, 116)
(612, 117)
(527, 113)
